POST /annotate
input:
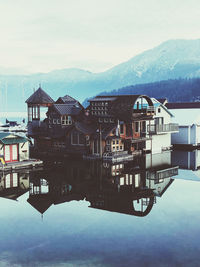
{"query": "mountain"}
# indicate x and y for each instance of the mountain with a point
(172, 59)
(178, 90)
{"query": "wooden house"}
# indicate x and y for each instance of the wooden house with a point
(110, 124)
(127, 116)
(13, 148)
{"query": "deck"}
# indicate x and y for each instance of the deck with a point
(32, 163)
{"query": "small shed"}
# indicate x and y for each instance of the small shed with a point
(13, 147)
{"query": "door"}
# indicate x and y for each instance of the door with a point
(11, 153)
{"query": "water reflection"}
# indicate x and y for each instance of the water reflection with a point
(189, 164)
(129, 188)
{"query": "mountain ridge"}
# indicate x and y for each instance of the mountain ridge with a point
(172, 59)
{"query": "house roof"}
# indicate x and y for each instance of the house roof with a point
(162, 100)
(186, 117)
(85, 128)
(104, 131)
(67, 109)
(183, 105)
(39, 97)
(102, 98)
(10, 138)
(66, 100)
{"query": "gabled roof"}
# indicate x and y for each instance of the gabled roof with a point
(85, 128)
(10, 138)
(67, 109)
(39, 97)
(183, 105)
(66, 100)
(162, 100)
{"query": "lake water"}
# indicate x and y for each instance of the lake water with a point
(79, 213)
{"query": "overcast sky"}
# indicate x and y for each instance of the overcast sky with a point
(42, 35)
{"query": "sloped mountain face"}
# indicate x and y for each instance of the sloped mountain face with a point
(171, 60)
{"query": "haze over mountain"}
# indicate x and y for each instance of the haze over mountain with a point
(172, 59)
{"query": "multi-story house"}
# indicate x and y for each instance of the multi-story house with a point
(110, 125)
(161, 128)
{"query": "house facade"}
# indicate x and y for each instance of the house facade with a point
(161, 129)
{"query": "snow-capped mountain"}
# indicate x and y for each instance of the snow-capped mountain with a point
(171, 60)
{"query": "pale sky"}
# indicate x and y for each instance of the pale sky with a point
(43, 35)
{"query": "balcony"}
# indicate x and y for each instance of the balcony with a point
(144, 110)
(162, 174)
(162, 128)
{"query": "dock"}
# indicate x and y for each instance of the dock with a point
(26, 164)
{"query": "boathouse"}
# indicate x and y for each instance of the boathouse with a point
(13, 148)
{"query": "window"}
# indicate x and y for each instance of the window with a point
(54, 121)
(66, 120)
(121, 148)
(74, 136)
(78, 138)
(121, 128)
(108, 148)
(137, 126)
(81, 139)
(159, 110)
(113, 142)
(117, 141)
(58, 121)
(117, 148)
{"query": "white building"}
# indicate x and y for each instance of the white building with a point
(187, 115)
(160, 129)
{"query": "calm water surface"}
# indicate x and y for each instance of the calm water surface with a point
(81, 213)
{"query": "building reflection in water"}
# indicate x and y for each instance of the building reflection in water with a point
(129, 188)
(189, 160)
(13, 185)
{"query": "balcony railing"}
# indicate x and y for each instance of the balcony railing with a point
(144, 110)
(162, 128)
(162, 174)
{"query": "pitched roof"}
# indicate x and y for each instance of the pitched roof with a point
(183, 105)
(67, 109)
(162, 100)
(85, 128)
(66, 100)
(39, 97)
(13, 139)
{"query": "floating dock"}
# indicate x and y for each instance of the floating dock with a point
(26, 164)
